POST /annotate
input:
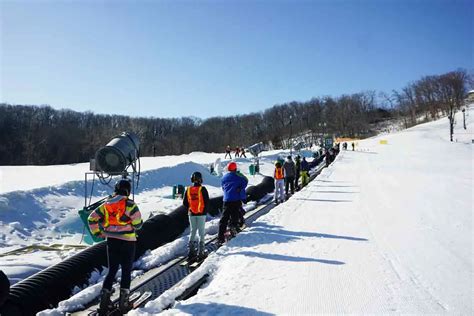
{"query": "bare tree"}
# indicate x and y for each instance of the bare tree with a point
(452, 91)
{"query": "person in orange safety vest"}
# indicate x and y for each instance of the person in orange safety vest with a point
(117, 219)
(279, 177)
(196, 200)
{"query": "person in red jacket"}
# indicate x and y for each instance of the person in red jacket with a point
(196, 200)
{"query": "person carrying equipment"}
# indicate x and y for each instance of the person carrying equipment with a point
(279, 177)
(233, 183)
(117, 219)
(196, 200)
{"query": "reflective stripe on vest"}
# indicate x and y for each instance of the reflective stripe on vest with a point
(279, 173)
(195, 200)
(114, 211)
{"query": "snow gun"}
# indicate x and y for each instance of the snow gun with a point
(119, 158)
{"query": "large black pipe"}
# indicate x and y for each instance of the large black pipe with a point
(48, 287)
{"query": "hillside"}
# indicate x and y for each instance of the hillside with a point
(385, 229)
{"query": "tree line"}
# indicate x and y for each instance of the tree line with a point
(432, 97)
(41, 135)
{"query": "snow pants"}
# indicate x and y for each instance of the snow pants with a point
(297, 177)
(197, 224)
(230, 216)
(290, 182)
(304, 178)
(119, 253)
(279, 190)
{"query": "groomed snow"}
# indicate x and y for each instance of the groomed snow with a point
(385, 229)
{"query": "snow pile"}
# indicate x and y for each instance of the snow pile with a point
(39, 204)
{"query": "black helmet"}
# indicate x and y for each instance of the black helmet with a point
(196, 177)
(123, 187)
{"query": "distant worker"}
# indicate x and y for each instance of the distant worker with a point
(232, 183)
(304, 172)
(289, 168)
(279, 177)
(196, 201)
(242, 152)
(227, 152)
(117, 219)
(237, 152)
(353, 146)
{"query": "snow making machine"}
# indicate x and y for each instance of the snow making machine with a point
(119, 158)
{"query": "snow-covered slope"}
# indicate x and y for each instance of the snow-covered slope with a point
(386, 229)
(39, 204)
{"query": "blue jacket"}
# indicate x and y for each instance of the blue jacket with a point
(233, 185)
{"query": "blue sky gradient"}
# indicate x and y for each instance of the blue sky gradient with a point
(219, 58)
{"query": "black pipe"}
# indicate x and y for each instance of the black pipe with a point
(48, 287)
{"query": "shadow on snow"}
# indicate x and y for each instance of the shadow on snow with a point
(217, 309)
(284, 257)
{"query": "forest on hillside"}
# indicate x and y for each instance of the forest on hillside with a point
(41, 135)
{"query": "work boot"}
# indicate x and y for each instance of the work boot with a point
(124, 301)
(105, 302)
(192, 252)
(202, 251)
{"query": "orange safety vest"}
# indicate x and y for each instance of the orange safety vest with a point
(114, 211)
(195, 200)
(279, 173)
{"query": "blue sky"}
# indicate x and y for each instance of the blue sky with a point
(219, 58)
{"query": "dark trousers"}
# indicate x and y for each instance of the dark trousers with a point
(230, 214)
(297, 178)
(119, 253)
(290, 181)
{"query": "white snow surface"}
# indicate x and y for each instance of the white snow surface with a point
(385, 229)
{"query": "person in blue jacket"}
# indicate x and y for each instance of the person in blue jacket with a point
(233, 183)
(241, 212)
